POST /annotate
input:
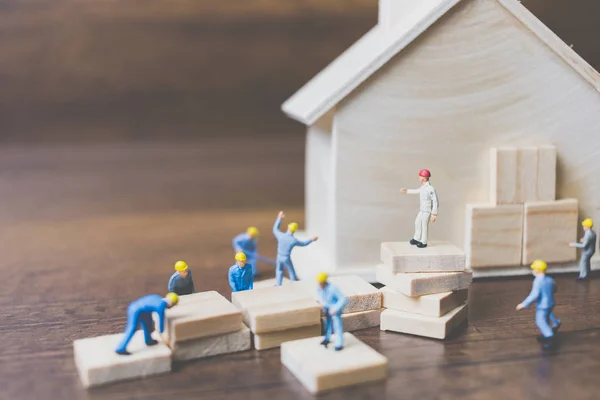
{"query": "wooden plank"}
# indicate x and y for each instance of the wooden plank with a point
(494, 236)
(98, 364)
(359, 320)
(546, 173)
(436, 257)
(320, 369)
(214, 345)
(419, 284)
(433, 305)
(420, 325)
(548, 228)
(264, 341)
(503, 175)
(527, 174)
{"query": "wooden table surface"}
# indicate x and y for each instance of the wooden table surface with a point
(88, 228)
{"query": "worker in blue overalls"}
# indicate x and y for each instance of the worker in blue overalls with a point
(333, 301)
(181, 282)
(240, 274)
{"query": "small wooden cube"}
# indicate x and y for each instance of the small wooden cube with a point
(201, 315)
(319, 369)
(359, 320)
(433, 305)
(527, 174)
(546, 173)
(436, 257)
(98, 364)
(232, 342)
(504, 175)
(264, 341)
(549, 227)
(421, 325)
(494, 235)
(419, 284)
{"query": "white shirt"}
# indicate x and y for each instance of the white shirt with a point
(427, 196)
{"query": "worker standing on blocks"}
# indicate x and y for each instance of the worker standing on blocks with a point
(240, 274)
(139, 313)
(588, 248)
(285, 243)
(428, 208)
(333, 301)
(247, 243)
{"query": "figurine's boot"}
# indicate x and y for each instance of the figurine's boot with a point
(325, 342)
(338, 348)
(556, 328)
(123, 353)
(421, 245)
(152, 342)
(414, 242)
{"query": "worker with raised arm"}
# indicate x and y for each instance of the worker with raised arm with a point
(240, 274)
(139, 314)
(181, 282)
(428, 208)
(285, 243)
(247, 243)
(333, 301)
(588, 246)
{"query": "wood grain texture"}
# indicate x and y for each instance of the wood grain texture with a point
(433, 305)
(420, 284)
(421, 325)
(436, 257)
(503, 175)
(269, 340)
(232, 342)
(358, 320)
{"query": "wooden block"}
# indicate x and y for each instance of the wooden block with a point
(546, 173)
(269, 283)
(503, 178)
(278, 308)
(494, 236)
(201, 315)
(98, 364)
(270, 340)
(362, 296)
(433, 305)
(548, 228)
(419, 284)
(421, 325)
(232, 342)
(359, 320)
(527, 174)
(436, 257)
(320, 369)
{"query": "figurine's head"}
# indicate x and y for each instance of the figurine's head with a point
(240, 259)
(424, 175)
(538, 267)
(252, 231)
(322, 279)
(182, 268)
(587, 224)
(292, 227)
(172, 299)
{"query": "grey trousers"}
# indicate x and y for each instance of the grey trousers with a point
(585, 265)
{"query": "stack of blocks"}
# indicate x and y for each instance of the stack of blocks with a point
(523, 221)
(426, 289)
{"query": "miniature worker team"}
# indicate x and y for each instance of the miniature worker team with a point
(140, 313)
(285, 243)
(428, 208)
(542, 293)
(333, 301)
(240, 274)
(588, 247)
(247, 242)
(181, 282)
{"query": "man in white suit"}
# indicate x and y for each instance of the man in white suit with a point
(428, 208)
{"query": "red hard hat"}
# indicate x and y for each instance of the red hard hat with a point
(425, 173)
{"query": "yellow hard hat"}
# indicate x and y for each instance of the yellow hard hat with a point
(252, 231)
(588, 222)
(173, 298)
(293, 227)
(539, 265)
(180, 266)
(321, 277)
(239, 256)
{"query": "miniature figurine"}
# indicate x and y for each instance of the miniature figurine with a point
(247, 242)
(140, 313)
(428, 208)
(333, 301)
(542, 293)
(285, 243)
(240, 274)
(588, 246)
(181, 282)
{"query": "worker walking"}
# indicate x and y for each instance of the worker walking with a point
(542, 293)
(333, 301)
(240, 274)
(139, 313)
(285, 243)
(247, 243)
(588, 247)
(428, 208)
(181, 282)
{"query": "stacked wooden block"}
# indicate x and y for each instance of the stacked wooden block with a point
(523, 221)
(279, 314)
(425, 289)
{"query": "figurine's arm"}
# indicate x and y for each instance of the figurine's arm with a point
(584, 242)
(264, 259)
(339, 305)
(276, 230)
(192, 282)
(251, 286)
(413, 191)
(161, 319)
(237, 243)
(533, 296)
(434, 201)
(172, 282)
(304, 243)
(231, 281)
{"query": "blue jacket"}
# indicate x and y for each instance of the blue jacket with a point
(241, 278)
(181, 286)
(286, 241)
(332, 298)
(149, 304)
(589, 243)
(244, 243)
(542, 293)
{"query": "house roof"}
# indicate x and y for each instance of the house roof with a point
(379, 45)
